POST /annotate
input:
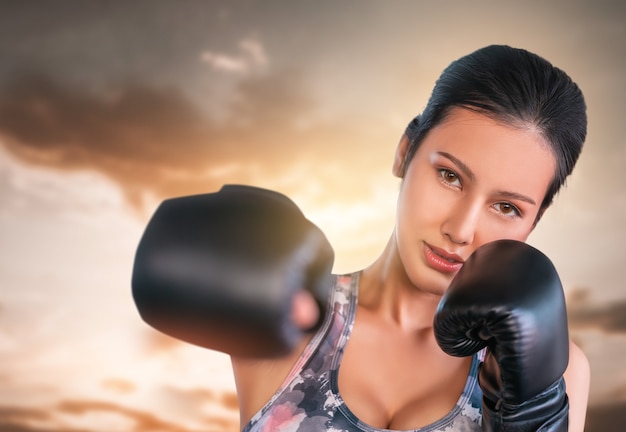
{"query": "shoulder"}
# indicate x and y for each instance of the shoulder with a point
(577, 375)
(257, 380)
(577, 381)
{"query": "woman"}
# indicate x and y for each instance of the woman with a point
(500, 134)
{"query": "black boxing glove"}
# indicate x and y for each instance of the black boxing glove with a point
(220, 270)
(508, 297)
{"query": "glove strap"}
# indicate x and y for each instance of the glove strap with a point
(546, 412)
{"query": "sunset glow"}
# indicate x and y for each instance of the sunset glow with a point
(102, 118)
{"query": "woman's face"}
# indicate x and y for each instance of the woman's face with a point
(473, 180)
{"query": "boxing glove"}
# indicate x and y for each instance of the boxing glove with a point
(508, 298)
(220, 270)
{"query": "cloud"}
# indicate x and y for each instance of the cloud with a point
(156, 342)
(142, 420)
(189, 401)
(583, 314)
(608, 417)
(224, 62)
(118, 385)
(255, 50)
(230, 401)
(18, 419)
(126, 136)
(251, 56)
(68, 415)
(149, 140)
(155, 143)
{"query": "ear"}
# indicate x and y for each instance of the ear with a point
(400, 156)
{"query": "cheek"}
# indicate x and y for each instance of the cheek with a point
(422, 201)
(492, 231)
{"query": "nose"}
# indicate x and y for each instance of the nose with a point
(461, 223)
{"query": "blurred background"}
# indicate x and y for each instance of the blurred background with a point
(106, 108)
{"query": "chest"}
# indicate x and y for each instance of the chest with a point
(391, 379)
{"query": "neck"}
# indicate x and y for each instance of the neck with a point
(386, 290)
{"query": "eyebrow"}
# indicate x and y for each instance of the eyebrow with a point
(470, 174)
(464, 168)
(516, 196)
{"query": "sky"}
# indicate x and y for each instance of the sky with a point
(107, 108)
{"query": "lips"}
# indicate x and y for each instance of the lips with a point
(441, 260)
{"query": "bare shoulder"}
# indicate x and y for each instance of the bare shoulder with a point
(577, 379)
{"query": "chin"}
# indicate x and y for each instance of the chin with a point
(441, 282)
(432, 282)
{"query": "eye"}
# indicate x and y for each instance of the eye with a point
(449, 177)
(507, 209)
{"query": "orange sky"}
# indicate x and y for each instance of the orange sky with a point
(101, 118)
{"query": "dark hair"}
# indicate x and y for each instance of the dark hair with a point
(516, 87)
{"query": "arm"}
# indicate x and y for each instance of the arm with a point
(577, 379)
(258, 379)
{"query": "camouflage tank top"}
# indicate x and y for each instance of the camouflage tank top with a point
(309, 399)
